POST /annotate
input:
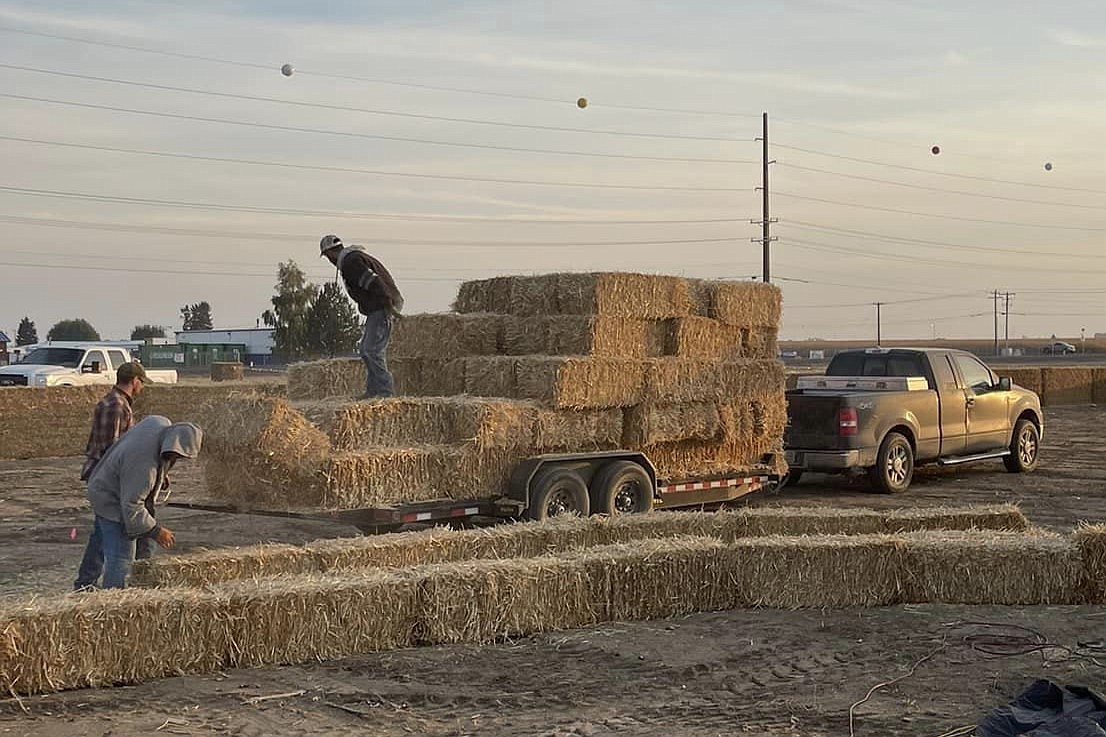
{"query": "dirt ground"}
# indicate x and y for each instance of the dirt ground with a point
(758, 672)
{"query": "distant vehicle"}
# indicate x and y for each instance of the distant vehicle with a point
(789, 354)
(886, 411)
(68, 365)
(1058, 348)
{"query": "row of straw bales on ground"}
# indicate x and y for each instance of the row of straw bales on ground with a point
(425, 596)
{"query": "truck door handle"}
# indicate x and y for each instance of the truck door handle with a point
(970, 401)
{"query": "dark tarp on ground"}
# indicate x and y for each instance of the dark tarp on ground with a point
(1048, 710)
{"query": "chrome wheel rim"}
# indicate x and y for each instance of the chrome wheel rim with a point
(1027, 447)
(625, 498)
(560, 502)
(898, 465)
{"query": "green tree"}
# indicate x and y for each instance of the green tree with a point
(196, 317)
(333, 326)
(289, 316)
(27, 334)
(142, 332)
(75, 329)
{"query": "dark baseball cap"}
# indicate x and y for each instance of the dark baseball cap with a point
(131, 370)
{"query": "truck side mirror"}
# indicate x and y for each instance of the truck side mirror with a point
(91, 368)
(1005, 383)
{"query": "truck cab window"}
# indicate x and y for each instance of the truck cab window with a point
(976, 376)
(94, 357)
(118, 358)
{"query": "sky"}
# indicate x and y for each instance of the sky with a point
(149, 181)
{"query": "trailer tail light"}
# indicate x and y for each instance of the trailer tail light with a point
(846, 422)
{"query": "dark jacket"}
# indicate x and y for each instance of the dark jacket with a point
(369, 284)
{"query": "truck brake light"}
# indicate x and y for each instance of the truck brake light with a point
(847, 422)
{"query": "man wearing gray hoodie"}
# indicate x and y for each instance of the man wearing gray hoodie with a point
(133, 468)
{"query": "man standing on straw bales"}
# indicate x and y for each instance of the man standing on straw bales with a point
(130, 474)
(112, 417)
(371, 286)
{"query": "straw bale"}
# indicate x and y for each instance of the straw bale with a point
(649, 424)
(1091, 541)
(485, 295)
(251, 423)
(1098, 392)
(1004, 517)
(252, 481)
(742, 303)
(1067, 385)
(654, 579)
(581, 383)
(227, 371)
(990, 568)
(46, 422)
(108, 637)
(383, 476)
(279, 621)
(206, 567)
(577, 430)
(641, 296)
(694, 458)
(336, 377)
(481, 602)
(483, 423)
(193, 403)
(676, 380)
(583, 335)
(440, 377)
(1026, 377)
(490, 376)
(446, 336)
(761, 343)
(834, 571)
(755, 377)
(704, 337)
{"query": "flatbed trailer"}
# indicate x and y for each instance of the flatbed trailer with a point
(608, 482)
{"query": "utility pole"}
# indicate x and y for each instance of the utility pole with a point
(1007, 316)
(879, 325)
(995, 322)
(766, 221)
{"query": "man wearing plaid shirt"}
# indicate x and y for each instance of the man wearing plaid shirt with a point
(112, 417)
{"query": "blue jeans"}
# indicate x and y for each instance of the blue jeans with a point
(374, 349)
(103, 548)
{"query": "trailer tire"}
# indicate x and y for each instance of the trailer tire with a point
(556, 492)
(621, 487)
(894, 467)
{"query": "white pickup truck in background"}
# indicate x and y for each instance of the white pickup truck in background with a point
(68, 365)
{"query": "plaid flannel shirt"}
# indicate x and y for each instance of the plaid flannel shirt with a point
(113, 417)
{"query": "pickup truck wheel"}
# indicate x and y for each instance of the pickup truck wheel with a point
(791, 478)
(621, 487)
(558, 491)
(894, 467)
(1025, 448)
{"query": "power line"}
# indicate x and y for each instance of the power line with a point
(921, 170)
(886, 302)
(368, 136)
(1049, 226)
(943, 190)
(376, 240)
(372, 80)
(926, 242)
(330, 213)
(368, 111)
(371, 172)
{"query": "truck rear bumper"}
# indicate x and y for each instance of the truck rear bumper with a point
(830, 460)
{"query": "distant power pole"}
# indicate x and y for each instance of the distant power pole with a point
(766, 221)
(995, 294)
(1007, 316)
(879, 324)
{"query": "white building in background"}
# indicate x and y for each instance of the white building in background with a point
(259, 342)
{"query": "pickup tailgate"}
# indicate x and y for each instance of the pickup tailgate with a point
(812, 421)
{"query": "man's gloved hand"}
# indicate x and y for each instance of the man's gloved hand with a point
(165, 538)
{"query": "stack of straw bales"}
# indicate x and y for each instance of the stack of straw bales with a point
(685, 370)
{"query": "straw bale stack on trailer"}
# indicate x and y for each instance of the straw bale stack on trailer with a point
(684, 370)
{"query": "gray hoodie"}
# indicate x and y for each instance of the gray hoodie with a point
(133, 468)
